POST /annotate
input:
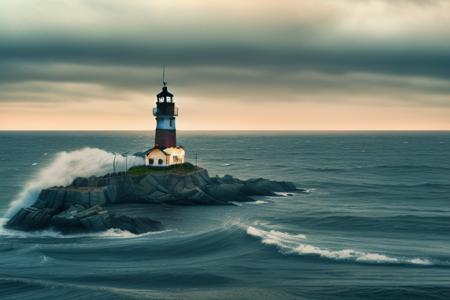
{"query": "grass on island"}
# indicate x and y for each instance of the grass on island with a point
(173, 169)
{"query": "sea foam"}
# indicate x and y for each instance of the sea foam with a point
(65, 167)
(49, 233)
(294, 244)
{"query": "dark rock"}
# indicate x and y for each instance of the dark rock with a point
(68, 218)
(51, 198)
(80, 182)
(228, 179)
(92, 181)
(31, 218)
(264, 187)
(97, 197)
(136, 225)
(83, 205)
(97, 218)
(110, 193)
(195, 196)
(99, 221)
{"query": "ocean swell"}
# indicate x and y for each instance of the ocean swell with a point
(294, 244)
(421, 168)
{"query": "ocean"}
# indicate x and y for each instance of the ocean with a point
(374, 222)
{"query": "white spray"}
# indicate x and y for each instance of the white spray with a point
(294, 244)
(66, 167)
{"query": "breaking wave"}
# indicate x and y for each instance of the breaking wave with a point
(294, 244)
(65, 167)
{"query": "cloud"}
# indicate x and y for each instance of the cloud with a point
(72, 82)
(378, 51)
(344, 36)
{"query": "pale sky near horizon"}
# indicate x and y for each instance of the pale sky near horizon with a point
(232, 65)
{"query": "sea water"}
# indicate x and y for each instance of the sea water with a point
(374, 222)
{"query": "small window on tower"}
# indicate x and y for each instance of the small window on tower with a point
(160, 161)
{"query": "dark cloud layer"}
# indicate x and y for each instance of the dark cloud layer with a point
(406, 59)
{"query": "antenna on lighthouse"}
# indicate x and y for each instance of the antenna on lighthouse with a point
(164, 75)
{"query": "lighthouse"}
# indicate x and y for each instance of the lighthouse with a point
(165, 151)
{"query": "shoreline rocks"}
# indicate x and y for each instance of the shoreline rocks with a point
(83, 205)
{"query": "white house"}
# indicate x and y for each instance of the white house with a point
(158, 157)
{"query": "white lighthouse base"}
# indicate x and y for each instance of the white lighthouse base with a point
(157, 157)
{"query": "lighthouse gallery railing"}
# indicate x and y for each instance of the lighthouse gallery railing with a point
(166, 112)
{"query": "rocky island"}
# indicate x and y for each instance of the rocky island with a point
(84, 204)
(87, 204)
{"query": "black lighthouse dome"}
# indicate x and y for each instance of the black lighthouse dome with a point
(164, 95)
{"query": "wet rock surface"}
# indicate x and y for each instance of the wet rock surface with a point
(83, 205)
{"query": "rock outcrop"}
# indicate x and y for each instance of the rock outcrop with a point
(83, 205)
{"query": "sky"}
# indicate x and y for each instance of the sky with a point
(232, 65)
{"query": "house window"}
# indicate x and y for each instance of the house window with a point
(150, 161)
(175, 158)
(160, 161)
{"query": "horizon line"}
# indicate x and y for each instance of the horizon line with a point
(231, 130)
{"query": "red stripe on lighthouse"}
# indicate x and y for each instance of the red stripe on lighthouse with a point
(165, 138)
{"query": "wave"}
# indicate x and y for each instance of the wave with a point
(31, 288)
(382, 186)
(294, 244)
(119, 233)
(65, 167)
(258, 202)
(230, 236)
(395, 223)
(375, 167)
(284, 194)
(49, 233)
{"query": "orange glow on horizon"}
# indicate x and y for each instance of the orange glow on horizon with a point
(223, 115)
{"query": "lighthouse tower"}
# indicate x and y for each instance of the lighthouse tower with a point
(165, 113)
(165, 151)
